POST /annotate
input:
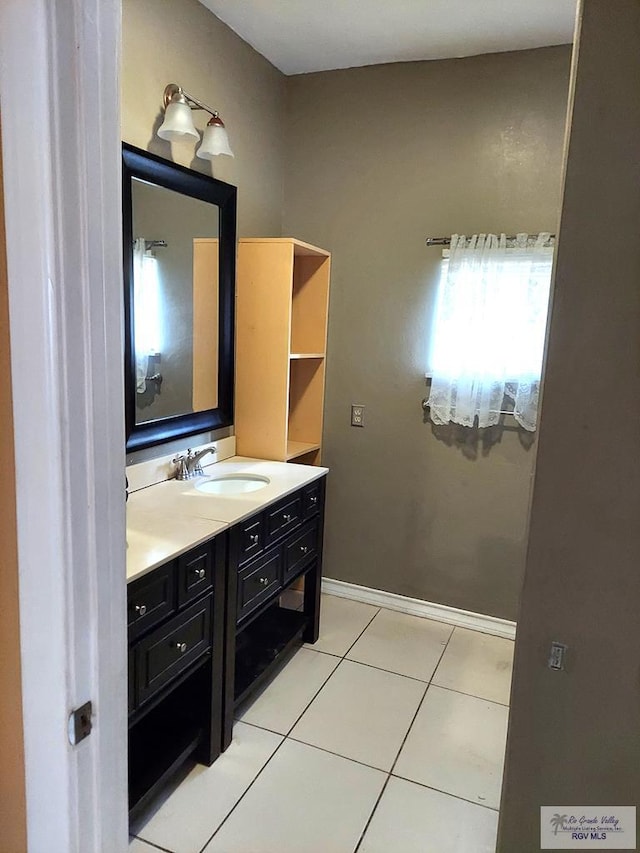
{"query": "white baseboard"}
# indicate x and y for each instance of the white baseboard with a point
(417, 607)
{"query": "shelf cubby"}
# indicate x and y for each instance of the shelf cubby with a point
(281, 323)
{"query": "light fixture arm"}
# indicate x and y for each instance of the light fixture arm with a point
(173, 89)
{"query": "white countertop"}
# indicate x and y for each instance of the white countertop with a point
(169, 518)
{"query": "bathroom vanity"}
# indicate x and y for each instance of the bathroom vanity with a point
(207, 615)
(211, 560)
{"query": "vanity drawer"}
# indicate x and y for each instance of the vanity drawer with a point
(300, 550)
(195, 573)
(283, 518)
(249, 539)
(150, 599)
(169, 650)
(311, 499)
(258, 581)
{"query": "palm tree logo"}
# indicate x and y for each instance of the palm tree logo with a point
(557, 821)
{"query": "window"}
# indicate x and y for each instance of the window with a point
(147, 317)
(489, 329)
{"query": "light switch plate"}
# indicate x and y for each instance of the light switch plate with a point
(357, 415)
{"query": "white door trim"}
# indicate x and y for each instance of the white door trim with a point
(418, 607)
(59, 94)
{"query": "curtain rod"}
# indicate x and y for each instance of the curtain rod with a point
(446, 241)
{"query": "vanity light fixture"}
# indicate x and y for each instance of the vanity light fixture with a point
(178, 125)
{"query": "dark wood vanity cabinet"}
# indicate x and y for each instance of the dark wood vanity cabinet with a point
(268, 553)
(176, 653)
(206, 629)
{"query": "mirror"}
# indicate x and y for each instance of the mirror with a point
(179, 271)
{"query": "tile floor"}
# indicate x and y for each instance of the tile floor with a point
(386, 736)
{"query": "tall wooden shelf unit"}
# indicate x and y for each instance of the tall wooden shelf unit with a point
(281, 337)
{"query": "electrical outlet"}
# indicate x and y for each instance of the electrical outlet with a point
(357, 415)
(557, 655)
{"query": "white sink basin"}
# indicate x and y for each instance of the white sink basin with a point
(232, 484)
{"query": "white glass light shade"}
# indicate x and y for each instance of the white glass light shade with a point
(178, 125)
(215, 140)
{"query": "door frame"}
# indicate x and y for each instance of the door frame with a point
(59, 95)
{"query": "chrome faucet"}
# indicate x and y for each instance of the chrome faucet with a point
(188, 467)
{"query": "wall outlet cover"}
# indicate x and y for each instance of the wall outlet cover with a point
(357, 415)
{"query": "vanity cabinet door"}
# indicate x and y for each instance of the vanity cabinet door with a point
(257, 582)
(311, 499)
(283, 518)
(300, 550)
(150, 599)
(169, 650)
(195, 573)
(131, 691)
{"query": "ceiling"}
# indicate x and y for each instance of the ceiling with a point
(299, 36)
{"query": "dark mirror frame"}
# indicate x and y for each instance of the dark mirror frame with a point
(137, 163)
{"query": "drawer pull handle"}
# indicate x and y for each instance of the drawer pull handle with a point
(254, 538)
(141, 609)
(264, 581)
(181, 647)
(199, 573)
(313, 500)
(304, 549)
(286, 518)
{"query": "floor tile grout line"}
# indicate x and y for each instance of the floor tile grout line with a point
(393, 672)
(310, 648)
(242, 796)
(406, 734)
(343, 656)
(446, 793)
(151, 844)
(338, 755)
(420, 704)
(307, 706)
(361, 633)
(373, 811)
(314, 697)
(470, 695)
(262, 728)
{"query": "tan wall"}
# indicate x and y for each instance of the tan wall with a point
(168, 42)
(13, 826)
(377, 159)
(574, 736)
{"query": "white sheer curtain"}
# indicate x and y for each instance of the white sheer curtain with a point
(146, 302)
(489, 329)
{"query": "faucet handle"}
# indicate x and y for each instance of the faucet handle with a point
(182, 469)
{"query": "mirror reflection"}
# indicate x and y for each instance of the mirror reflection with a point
(175, 302)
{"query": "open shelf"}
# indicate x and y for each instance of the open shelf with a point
(306, 401)
(311, 457)
(294, 355)
(300, 448)
(309, 299)
(262, 645)
(165, 738)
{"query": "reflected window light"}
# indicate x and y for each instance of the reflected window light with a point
(147, 314)
(148, 332)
